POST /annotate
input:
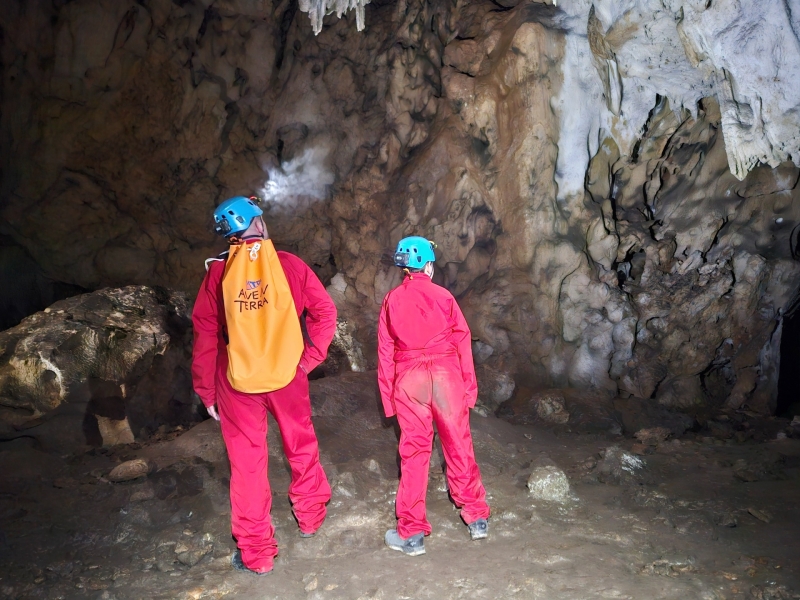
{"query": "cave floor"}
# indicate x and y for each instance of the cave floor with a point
(66, 532)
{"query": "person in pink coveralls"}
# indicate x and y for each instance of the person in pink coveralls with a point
(243, 416)
(426, 377)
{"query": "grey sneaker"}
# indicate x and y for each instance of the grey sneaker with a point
(238, 564)
(413, 546)
(478, 530)
(309, 534)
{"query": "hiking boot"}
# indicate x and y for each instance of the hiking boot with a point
(310, 534)
(238, 564)
(478, 530)
(413, 546)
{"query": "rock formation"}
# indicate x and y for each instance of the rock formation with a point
(98, 367)
(610, 184)
(317, 9)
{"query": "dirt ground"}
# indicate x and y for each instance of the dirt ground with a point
(703, 518)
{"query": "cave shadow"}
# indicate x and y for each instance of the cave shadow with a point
(24, 287)
(788, 402)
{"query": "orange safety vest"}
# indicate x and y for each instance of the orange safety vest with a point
(265, 341)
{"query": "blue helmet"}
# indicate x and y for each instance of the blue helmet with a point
(235, 215)
(414, 252)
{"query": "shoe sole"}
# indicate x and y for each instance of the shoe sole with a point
(479, 536)
(414, 552)
(308, 535)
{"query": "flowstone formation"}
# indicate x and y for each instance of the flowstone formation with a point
(610, 184)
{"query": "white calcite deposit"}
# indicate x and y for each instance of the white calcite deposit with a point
(621, 55)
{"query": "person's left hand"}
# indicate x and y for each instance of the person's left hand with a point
(212, 412)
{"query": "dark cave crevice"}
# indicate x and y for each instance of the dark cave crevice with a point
(24, 288)
(788, 403)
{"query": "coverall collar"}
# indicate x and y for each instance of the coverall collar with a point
(414, 277)
(250, 239)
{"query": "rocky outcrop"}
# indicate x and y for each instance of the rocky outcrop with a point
(580, 171)
(97, 368)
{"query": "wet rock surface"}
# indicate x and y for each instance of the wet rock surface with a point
(691, 529)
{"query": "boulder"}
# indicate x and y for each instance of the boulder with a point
(652, 436)
(494, 388)
(548, 482)
(619, 466)
(190, 551)
(102, 366)
(203, 441)
(551, 407)
(548, 406)
(130, 470)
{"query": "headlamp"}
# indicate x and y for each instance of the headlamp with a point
(402, 259)
(222, 227)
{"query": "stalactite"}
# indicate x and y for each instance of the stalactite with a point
(317, 9)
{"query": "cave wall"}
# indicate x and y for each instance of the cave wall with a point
(25, 288)
(611, 191)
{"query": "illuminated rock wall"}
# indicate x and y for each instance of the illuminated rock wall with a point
(578, 165)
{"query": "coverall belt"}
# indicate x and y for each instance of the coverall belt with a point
(401, 356)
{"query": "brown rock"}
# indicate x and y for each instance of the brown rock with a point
(129, 470)
(464, 55)
(652, 436)
(114, 431)
(550, 406)
(761, 514)
(494, 387)
(97, 353)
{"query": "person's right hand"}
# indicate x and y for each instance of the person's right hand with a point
(212, 411)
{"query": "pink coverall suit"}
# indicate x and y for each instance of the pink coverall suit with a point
(426, 376)
(243, 416)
